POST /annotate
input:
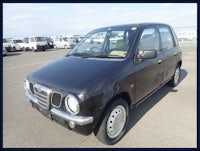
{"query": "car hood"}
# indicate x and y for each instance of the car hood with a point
(73, 74)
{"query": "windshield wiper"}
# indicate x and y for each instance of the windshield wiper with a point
(85, 55)
(108, 56)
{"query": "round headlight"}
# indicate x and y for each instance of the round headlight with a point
(72, 104)
(26, 84)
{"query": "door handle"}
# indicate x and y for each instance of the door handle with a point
(175, 54)
(160, 61)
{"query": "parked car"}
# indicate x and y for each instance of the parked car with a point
(36, 43)
(65, 43)
(4, 52)
(94, 87)
(7, 44)
(74, 40)
(18, 44)
(187, 36)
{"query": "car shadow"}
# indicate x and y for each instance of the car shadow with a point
(9, 54)
(138, 112)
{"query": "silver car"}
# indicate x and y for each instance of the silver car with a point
(4, 51)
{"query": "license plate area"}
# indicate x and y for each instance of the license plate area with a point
(43, 111)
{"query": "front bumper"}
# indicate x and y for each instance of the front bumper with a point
(78, 120)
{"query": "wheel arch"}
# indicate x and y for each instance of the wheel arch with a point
(180, 63)
(123, 95)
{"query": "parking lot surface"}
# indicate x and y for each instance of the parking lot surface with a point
(166, 119)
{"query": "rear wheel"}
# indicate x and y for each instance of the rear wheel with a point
(176, 77)
(114, 122)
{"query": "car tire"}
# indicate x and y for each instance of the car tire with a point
(13, 49)
(176, 77)
(112, 126)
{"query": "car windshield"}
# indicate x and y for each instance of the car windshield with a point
(6, 40)
(49, 39)
(66, 39)
(39, 39)
(17, 41)
(105, 43)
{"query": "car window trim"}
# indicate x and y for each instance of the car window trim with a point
(137, 43)
(172, 36)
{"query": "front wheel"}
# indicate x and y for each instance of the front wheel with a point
(13, 49)
(176, 77)
(114, 122)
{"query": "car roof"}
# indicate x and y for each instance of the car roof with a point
(135, 24)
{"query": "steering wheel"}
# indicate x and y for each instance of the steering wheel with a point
(95, 50)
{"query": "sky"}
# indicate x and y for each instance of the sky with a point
(46, 19)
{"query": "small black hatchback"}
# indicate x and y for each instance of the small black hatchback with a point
(110, 71)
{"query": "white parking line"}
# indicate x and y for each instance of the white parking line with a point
(20, 66)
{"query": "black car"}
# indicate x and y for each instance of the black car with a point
(93, 87)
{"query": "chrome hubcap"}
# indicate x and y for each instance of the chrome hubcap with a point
(176, 75)
(116, 121)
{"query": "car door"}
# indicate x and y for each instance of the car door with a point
(169, 51)
(57, 42)
(148, 75)
(32, 43)
(60, 43)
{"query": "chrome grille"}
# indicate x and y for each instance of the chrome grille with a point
(56, 99)
(31, 88)
(42, 94)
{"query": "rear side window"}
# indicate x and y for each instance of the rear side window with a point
(166, 38)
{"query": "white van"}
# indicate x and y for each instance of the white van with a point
(63, 43)
(36, 43)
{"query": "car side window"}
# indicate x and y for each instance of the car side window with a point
(149, 40)
(26, 40)
(166, 38)
(32, 39)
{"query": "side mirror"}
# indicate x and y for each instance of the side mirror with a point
(147, 54)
